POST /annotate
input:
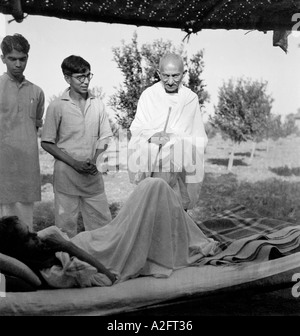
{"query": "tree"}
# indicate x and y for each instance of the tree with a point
(243, 111)
(139, 69)
(289, 126)
(210, 130)
(277, 129)
(195, 83)
(273, 129)
(97, 91)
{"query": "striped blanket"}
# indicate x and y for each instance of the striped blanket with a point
(245, 236)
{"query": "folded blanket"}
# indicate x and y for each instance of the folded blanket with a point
(244, 237)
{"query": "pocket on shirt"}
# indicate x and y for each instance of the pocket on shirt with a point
(33, 103)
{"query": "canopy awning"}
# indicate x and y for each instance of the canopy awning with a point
(190, 16)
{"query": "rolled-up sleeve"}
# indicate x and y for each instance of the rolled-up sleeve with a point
(51, 125)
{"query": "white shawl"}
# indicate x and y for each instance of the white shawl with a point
(184, 153)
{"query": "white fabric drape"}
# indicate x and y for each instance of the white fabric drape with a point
(183, 154)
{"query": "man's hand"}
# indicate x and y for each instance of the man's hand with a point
(160, 138)
(92, 165)
(85, 167)
(60, 244)
(55, 240)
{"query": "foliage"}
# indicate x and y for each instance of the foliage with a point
(274, 127)
(243, 109)
(139, 67)
(277, 129)
(195, 83)
(97, 91)
(289, 126)
(128, 59)
(210, 130)
(115, 128)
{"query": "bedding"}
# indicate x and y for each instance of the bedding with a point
(237, 229)
(245, 236)
(239, 222)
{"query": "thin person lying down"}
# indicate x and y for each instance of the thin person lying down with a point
(151, 235)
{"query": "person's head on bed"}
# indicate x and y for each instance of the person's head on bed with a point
(18, 241)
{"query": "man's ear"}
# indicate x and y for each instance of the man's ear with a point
(67, 79)
(3, 59)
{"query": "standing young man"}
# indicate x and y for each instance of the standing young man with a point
(76, 132)
(21, 112)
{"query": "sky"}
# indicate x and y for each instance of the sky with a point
(227, 54)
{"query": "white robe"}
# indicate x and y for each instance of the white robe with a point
(184, 153)
(151, 235)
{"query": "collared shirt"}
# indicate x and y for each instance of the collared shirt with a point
(78, 134)
(21, 111)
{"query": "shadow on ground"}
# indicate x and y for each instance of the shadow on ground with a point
(224, 162)
(247, 154)
(285, 171)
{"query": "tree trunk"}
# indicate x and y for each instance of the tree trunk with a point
(231, 157)
(252, 152)
(268, 145)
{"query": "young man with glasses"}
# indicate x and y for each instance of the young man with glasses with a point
(168, 135)
(76, 132)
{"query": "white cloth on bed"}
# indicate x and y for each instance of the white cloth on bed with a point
(152, 235)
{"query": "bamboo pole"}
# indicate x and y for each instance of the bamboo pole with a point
(160, 145)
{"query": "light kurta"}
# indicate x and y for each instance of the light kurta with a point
(184, 153)
(78, 135)
(21, 111)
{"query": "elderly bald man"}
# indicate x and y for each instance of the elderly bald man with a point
(168, 135)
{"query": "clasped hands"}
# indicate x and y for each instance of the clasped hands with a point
(87, 167)
(160, 138)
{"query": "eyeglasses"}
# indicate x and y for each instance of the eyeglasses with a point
(81, 78)
(166, 77)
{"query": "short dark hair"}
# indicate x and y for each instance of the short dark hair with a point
(74, 64)
(14, 42)
(13, 245)
(8, 234)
